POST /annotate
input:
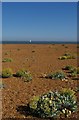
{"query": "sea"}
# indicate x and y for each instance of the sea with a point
(38, 42)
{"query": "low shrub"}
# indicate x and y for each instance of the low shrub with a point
(44, 106)
(62, 57)
(68, 102)
(73, 74)
(70, 57)
(7, 60)
(24, 74)
(68, 67)
(21, 73)
(33, 103)
(53, 104)
(6, 73)
(73, 70)
(66, 56)
(57, 75)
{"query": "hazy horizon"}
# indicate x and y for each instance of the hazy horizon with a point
(42, 21)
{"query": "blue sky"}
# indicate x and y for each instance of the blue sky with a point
(39, 0)
(39, 21)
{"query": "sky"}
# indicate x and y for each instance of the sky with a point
(39, 0)
(56, 21)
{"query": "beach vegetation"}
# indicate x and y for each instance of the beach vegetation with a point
(7, 60)
(73, 74)
(74, 71)
(68, 67)
(57, 75)
(6, 73)
(62, 57)
(66, 56)
(53, 104)
(24, 74)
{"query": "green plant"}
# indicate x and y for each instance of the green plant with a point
(75, 70)
(7, 60)
(57, 75)
(52, 104)
(73, 74)
(20, 73)
(33, 103)
(24, 74)
(66, 56)
(62, 57)
(45, 106)
(68, 101)
(7, 73)
(69, 56)
(68, 67)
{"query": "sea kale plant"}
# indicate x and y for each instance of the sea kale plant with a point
(73, 71)
(66, 56)
(26, 76)
(52, 104)
(57, 75)
(6, 73)
(45, 106)
(68, 67)
(7, 60)
(68, 102)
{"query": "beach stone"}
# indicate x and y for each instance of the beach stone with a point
(44, 75)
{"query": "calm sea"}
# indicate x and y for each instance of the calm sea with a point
(38, 42)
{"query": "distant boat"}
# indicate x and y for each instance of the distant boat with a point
(30, 41)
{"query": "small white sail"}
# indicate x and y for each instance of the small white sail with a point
(30, 41)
